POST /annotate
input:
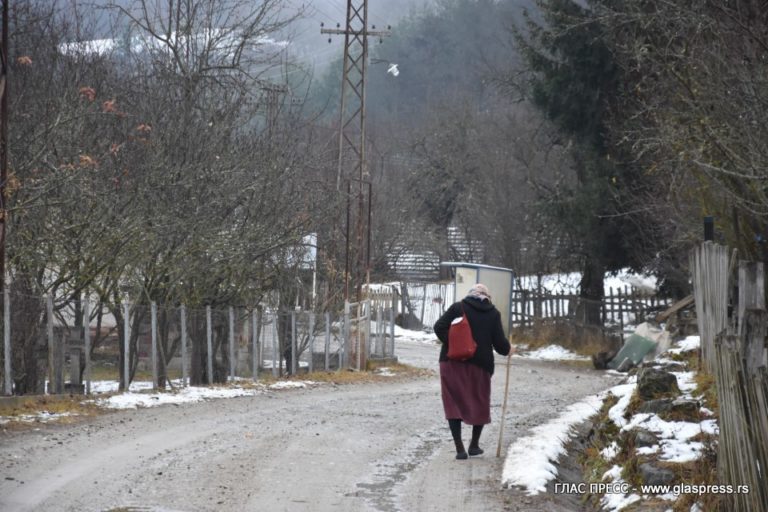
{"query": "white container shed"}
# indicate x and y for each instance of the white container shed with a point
(498, 280)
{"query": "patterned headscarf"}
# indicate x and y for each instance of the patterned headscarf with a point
(480, 292)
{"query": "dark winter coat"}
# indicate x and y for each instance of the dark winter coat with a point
(485, 322)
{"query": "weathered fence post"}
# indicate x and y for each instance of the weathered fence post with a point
(423, 305)
(87, 342)
(327, 340)
(209, 339)
(523, 307)
(751, 290)
(231, 343)
(735, 353)
(8, 384)
(392, 332)
(365, 349)
(52, 352)
(274, 344)
(710, 268)
(126, 347)
(153, 313)
(311, 342)
(381, 338)
(537, 304)
(345, 343)
(183, 345)
(255, 331)
(294, 371)
(742, 450)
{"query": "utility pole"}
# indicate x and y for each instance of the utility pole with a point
(3, 140)
(8, 385)
(352, 133)
(352, 116)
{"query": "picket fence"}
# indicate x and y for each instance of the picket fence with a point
(733, 350)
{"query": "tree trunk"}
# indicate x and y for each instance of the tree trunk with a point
(198, 369)
(591, 293)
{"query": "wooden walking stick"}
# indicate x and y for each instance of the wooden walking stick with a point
(504, 405)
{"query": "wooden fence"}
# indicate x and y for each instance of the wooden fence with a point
(734, 350)
(618, 307)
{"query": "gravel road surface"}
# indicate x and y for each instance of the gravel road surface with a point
(378, 447)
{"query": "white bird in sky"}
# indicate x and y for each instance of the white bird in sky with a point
(393, 70)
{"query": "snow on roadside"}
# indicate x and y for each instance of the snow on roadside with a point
(138, 397)
(40, 417)
(675, 438)
(529, 459)
(552, 353)
(193, 394)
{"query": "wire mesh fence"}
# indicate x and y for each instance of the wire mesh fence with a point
(65, 346)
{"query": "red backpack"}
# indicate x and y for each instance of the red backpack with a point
(461, 344)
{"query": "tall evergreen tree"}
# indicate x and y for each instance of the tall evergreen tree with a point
(574, 80)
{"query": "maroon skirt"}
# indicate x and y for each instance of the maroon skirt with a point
(466, 390)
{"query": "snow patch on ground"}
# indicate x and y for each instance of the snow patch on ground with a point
(420, 336)
(624, 393)
(617, 501)
(686, 345)
(189, 394)
(610, 451)
(292, 384)
(41, 417)
(384, 372)
(529, 459)
(553, 353)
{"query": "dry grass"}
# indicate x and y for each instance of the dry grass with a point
(705, 386)
(690, 359)
(18, 408)
(106, 371)
(401, 372)
(603, 434)
(699, 472)
(582, 340)
(593, 463)
(634, 404)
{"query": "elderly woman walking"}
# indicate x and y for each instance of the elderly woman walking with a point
(466, 385)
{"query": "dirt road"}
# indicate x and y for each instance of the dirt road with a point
(382, 447)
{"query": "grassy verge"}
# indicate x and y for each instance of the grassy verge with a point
(394, 372)
(701, 472)
(27, 412)
(583, 341)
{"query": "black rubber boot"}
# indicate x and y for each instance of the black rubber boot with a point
(474, 445)
(461, 453)
(455, 426)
